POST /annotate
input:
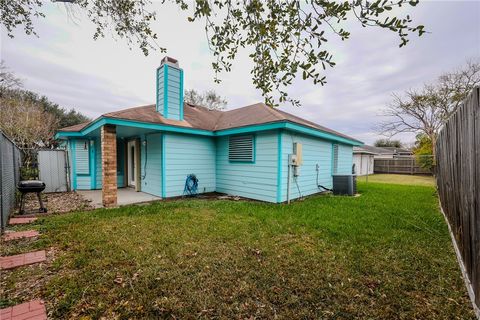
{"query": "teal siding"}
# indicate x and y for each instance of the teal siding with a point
(251, 180)
(315, 151)
(151, 164)
(345, 159)
(83, 183)
(82, 150)
(163, 173)
(170, 92)
(186, 154)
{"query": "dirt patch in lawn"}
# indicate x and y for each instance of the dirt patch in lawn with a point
(59, 202)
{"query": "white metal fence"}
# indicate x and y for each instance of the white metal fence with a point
(10, 162)
(52, 169)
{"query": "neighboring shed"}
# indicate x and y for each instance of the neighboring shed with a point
(363, 160)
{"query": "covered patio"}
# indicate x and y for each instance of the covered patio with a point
(110, 166)
(125, 196)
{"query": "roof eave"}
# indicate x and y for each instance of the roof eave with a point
(285, 124)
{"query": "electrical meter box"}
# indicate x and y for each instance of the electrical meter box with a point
(297, 150)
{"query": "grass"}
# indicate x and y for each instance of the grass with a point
(383, 255)
(418, 180)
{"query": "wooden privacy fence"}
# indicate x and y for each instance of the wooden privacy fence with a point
(458, 181)
(402, 165)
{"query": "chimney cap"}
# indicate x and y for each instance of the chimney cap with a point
(170, 61)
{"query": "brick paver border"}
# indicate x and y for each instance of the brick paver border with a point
(9, 236)
(32, 310)
(13, 221)
(23, 259)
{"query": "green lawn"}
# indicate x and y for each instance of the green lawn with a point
(418, 180)
(384, 255)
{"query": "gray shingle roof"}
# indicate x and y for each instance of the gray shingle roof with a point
(199, 117)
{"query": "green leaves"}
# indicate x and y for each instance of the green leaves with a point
(284, 38)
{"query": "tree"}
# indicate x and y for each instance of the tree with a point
(11, 101)
(25, 122)
(10, 91)
(209, 99)
(388, 143)
(64, 117)
(424, 111)
(423, 151)
(285, 38)
(8, 79)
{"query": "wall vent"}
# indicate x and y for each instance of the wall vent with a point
(240, 148)
(335, 158)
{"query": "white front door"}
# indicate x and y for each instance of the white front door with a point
(131, 162)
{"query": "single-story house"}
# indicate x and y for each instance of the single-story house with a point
(399, 152)
(245, 152)
(386, 152)
(363, 161)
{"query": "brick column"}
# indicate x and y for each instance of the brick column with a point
(109, 166)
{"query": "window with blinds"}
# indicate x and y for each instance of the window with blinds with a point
(335, 158)
(240, 148)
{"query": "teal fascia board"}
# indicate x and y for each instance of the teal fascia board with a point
(279, 167)
(289, 126)
(67, 134)
(321, 134)
(130, 123)
(254, 128)
(261, 127)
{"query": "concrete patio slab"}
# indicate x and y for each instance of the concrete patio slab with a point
(125, 196)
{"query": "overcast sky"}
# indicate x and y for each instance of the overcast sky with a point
(94, 77)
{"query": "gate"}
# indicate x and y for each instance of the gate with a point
(52, 169)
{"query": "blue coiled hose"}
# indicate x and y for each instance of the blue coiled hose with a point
(191, 185)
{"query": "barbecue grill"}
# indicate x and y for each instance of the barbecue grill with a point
(31, 186)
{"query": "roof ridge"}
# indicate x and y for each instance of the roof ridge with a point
(274, 111)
